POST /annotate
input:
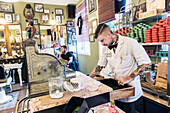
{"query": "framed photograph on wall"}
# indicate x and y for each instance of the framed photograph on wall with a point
(8, 18)
(6, 7)
(47, 11)
(45, 18)
(70, 23)
(39, 8)
(35, 21)
(91, 38)
(139, 9)
(58, 19)
(91, 5)
(58, 11)
(16, 17)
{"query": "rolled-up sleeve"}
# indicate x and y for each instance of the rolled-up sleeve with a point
(140, 54)
(102, 59)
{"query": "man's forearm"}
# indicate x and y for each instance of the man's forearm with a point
(96, 71)
(138, 71)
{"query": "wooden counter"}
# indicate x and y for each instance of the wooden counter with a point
(90, 87)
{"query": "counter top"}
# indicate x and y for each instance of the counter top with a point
(156, 99)
(90, 88)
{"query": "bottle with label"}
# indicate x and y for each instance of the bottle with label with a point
(112, 108)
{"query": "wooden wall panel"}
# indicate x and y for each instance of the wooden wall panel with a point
(106, 10)
(82, 9)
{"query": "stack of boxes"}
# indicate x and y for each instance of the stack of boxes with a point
(160, 32)
(138, 32)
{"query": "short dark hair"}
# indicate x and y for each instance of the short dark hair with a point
(99, 30)
(65, 47)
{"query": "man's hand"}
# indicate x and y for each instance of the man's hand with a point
(124, 80)
(138, 71)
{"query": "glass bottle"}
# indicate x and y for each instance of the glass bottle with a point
(112, 108)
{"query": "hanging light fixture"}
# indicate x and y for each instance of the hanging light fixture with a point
(53, 22)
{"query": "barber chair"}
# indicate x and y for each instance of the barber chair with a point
(5, 80)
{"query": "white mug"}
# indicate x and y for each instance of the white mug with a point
(76, 82)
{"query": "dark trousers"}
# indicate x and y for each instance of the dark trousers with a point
(74, 65)
(126, 107)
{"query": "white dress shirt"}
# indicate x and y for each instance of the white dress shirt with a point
(129, 53)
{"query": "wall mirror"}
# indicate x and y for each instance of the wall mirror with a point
(14, 39)
(53, 36)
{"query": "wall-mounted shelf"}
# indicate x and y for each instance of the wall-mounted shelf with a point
(158, 56)
(159, 43)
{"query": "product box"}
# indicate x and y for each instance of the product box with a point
(155, 4)
(151, 13)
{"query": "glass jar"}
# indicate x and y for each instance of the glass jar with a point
(56, 87)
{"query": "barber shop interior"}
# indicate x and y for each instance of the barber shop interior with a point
(84, 56)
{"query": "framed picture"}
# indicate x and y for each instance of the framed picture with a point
(70, 23)
(16, 17)
(139, 9)
(46, 11)
(91, 5)
(91, 38)
(45, 18)
(39, 8)
(59, 11)
(8, 18)
(6, 7)
(58, 19)
(35, 21)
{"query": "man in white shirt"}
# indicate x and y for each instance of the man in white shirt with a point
(126, 58)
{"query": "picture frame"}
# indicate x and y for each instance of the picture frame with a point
(46, 11)
(39, 8)
(59, 11)
(16, 18)
(6, 7)
(138, 10)
(92, 6)
(8, 18)
(91, 38)
(45, 18)
(35, 21)
(70, 23)
(58, 19)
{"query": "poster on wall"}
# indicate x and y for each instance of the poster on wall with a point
(91, 5)
(139, 9)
